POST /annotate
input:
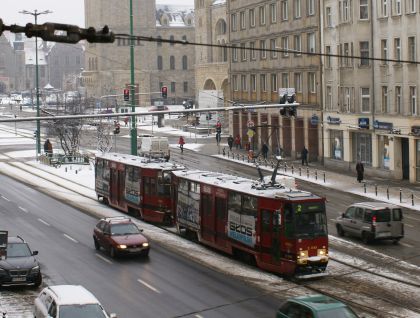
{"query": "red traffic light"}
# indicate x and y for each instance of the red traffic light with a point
(164, 91)
(126, 94)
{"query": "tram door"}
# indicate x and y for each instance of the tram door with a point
(221, 221)
(121, 187)
(270, 235)
(208, 219)
(113, 185)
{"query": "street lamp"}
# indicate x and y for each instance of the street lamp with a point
(132, 86)
(35, 14)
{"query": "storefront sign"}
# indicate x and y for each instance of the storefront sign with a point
(415, 130)
(314, 120)
(333, 120)
(364, 123)
(383, 125)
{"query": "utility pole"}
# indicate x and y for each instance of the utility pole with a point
(35, 14)
(132, 88)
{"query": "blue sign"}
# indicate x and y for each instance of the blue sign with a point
(314, 120)
(364, 123)
(383, 125)
(333, 120)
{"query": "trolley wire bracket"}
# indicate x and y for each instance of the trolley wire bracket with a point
(58, 32)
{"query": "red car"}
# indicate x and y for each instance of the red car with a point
(120, 236)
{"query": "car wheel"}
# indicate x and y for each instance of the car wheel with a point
(340, 231)
(38, 281)
(96, 243)
(365, 238)
(396, 241)
(112, 252)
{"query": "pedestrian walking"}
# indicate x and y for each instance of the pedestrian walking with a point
(360, 169)
(304, 155)
(48, 148)
(230, 142)
(126, 121)
(238, 142)
(181, 143)
(264, 151)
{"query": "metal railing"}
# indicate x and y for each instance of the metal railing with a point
(56, 160)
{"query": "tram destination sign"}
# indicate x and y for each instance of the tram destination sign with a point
(309, 207)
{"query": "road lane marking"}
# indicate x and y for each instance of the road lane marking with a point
(5, 198)
(103, 258)
(23, 209)
(409, 225)
(411, 218)
(70, 238)
(148, 286)
(405, 244)
(43, 222)
(199, 316)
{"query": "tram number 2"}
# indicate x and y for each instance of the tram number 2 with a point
(239, 228)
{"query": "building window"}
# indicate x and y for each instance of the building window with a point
(234, 53)
(297, 9)
(233, 22)
(284, 80)
(159, 43)
(263, 82)
(262, 15)
(328, 56)
(412, 6)
(251, 18)
(418, 160)
(384, 100)
(397, 49)
(263, 52)
(242, 19)
(297, 44)
(243, 83)
(273, 12)
(362, 148)
(284, 10)
(253, 82)
(328, 101)
(336, 144)
(173, 88)
(298, 82)
(235, 82)
(412, 48)
(243, 52)
(346, 54)
(184, 62)
(274, 83)
(365, 99)
(159, 63)
(398, 99)
(311, 82)
(363, 10)
(273, 48)
(345, 10)
(397, 7)
(364, 53)
(185, 87)
(347, 99)
(311, 42)
(413, 100)
(252, 47)
(328, 17)
(384, 8)
(384, 51)
(311, 7)
(171, 38)
(285, 45)
(172, 62)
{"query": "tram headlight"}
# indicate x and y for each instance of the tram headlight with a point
(302, 257)
(323, 254)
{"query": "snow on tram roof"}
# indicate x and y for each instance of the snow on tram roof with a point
(244, 185)
(141, 162)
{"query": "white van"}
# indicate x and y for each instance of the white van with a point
(155, 147)
(68, 301)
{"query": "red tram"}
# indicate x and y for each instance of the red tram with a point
(284, 230)
(136, 185)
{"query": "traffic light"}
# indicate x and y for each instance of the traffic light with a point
(164, 91)
(126, 95)
(35, 133)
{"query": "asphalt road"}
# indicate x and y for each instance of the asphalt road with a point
(163, 285)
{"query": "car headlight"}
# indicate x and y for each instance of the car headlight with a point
(145, 244)
(35, 269)
(122, 246)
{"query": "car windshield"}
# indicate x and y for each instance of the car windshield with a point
(18, 250)
(124, 229)
(337, 313)
(81, 311)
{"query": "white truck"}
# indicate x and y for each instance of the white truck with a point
(155, 147)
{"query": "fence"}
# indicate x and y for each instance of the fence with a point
(57, 160)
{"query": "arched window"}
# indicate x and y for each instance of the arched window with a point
(172, 62)
(159, 63)
(221, 27)
(184, 62)
(158, 42)
(171, 38)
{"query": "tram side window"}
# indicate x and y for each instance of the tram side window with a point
(206, 204)
(234, 203)
(99, 167)
(249, 205)
(265, 221)
(149, 186)
(289, 228)
(164, 184)
(132, 173)
(105, 170)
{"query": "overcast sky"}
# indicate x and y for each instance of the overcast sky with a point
(70, 12)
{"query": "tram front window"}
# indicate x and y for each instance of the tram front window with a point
(309, 219)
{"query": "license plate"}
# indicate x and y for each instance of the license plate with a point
(134, 249)
(18, 279)
(383, 234)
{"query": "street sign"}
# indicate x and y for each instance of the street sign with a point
(250, 133)
(314, 120)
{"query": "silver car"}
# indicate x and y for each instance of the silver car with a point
(372, 221)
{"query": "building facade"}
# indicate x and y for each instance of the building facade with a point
(107, 70)
(371, 111)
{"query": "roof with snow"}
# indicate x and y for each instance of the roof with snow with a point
(217, 2)
(174, 16)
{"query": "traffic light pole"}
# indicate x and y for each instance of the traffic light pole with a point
(132, 88)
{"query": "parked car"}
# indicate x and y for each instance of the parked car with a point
(372, 221)
(19, 267)
(315, 306)
(120, 236)
(73, 301)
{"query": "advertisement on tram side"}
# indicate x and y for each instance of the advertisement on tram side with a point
(241, 228)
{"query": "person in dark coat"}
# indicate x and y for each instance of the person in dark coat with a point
(264, 150)
(360, 169)
(304, 155)
(48, 148)
(238, 142)
(230, 142)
